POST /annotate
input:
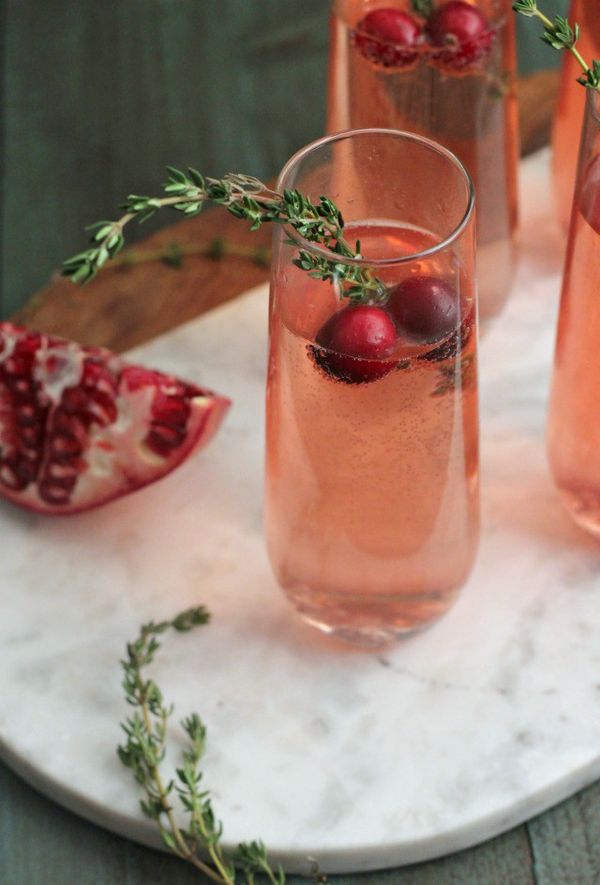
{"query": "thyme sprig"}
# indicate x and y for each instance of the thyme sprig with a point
(561, 35)
(247, 198)
(424, 8)
(144, 750)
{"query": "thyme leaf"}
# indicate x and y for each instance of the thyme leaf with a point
(561, 35)
(247, 198)
(143, 752)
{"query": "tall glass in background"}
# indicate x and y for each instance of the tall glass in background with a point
(570, 107)
(372, 421)
(574, 426)
(464, 99)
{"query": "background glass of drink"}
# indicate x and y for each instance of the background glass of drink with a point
(574, 426)
(460, 94)
(372, 424)
(571, 104)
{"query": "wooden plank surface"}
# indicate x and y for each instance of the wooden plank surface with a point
(51, 846)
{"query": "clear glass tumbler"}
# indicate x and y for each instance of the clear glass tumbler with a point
(571, 105)
(372, 501)
(390, 66)
(574, 425)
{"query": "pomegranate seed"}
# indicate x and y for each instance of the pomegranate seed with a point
(389, 37)
(163, 438)
(30, 436)
(463, 33)
(9, 477)
(424, 307)
(102, 408)
(169, 409)
(74, 400)
(55, 492)
(354, 343)
(26, 414)
(62, 446)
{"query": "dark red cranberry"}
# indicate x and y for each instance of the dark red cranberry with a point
(453, 344)
(463, 33)
(389, 37)
(589, 200)
(424, 307)
(354, 343)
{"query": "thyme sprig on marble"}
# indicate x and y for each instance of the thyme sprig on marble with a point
(561, 35)
(247, 198)
(144, 750)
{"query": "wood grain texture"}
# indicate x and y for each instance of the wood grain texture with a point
(565, 842)
(99, 99)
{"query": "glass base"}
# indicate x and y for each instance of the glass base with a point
(370, 622)
(584, 508)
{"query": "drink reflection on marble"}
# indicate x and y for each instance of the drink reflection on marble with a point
(372, 423)
(571, 104)
(462, 97)
(574, 427)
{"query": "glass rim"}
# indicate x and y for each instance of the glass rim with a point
(450, 238)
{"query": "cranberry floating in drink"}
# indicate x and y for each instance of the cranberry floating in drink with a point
(354, 342)
(372, 430)
(426, 308)
(461, 33)
(389, 37)
(445, 70)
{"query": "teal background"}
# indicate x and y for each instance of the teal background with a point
(98, 97)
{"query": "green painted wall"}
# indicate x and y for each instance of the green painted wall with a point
(98, 97)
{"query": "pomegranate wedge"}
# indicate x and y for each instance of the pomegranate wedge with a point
(79, 426)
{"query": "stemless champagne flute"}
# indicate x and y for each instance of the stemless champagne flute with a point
(450, 77)
(571, 104)
(372, 506)
(574, 426)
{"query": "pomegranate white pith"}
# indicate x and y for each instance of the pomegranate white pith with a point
(79, 426)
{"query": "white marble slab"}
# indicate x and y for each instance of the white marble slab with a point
(363, 760)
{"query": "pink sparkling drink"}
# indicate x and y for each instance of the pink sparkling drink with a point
(570, 106)
(450, 77)
(372, 454)
(574, 425)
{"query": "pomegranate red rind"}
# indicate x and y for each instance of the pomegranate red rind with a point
(79, 426)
